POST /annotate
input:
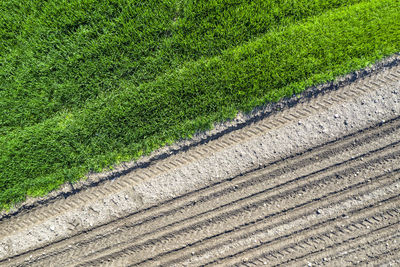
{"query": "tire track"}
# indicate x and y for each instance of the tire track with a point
(246, 236)
(390, 129)
(388, 258)
(39, 214)
(256, 215)
(188, 233)
(379, 242)
(319, 236)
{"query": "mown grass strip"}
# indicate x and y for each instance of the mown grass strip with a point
(137, 119)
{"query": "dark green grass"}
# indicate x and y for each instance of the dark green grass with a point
(57, 54)
(106, 111)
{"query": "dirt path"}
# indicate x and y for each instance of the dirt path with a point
(315, 184)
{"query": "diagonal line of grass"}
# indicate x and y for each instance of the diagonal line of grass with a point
(137, 119)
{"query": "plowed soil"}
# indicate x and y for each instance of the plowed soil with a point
(315, 184)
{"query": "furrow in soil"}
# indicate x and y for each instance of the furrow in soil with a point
(310, 190)
(318, 183)
(293, 174)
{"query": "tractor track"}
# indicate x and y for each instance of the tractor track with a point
(245, 198)
(336, 202)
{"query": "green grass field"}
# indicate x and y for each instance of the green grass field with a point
(86, 84)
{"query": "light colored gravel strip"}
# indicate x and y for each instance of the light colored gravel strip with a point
(311, 123)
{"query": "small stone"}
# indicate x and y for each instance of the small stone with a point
(345, 122)
(52, 228)
(336, 116)
(319, 211)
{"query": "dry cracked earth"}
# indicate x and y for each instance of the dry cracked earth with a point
(315, 184)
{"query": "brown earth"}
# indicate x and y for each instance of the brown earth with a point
(315, 184)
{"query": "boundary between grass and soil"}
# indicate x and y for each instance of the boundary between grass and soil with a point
(219, 129)
(307, 124)
(136, 119)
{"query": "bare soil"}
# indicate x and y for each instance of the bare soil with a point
(317, 183)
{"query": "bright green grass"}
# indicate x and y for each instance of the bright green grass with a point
(79, 93)
(57, 54)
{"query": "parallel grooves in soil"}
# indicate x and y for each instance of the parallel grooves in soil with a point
(391, 257)
(360, 245)
(248, 230)
(343, 236)
(325, 176)
(239, 208)
(323, 102)
(134, 252)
